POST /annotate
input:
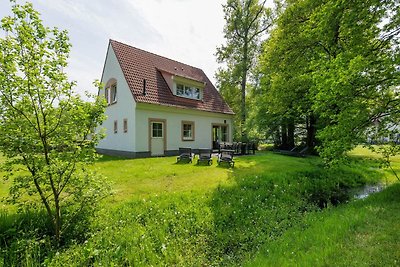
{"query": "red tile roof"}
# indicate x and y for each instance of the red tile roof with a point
(138, 65)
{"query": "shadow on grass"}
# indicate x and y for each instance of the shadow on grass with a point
(107, 158)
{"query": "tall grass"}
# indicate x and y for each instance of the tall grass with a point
(24, 238)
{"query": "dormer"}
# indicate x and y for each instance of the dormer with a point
(183, 86)
(187, 88)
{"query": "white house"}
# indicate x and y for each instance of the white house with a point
(156, 105)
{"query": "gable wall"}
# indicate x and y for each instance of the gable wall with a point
(124, 108)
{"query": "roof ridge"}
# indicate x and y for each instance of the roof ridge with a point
(148, 52)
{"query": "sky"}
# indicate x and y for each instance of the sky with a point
(188, 31)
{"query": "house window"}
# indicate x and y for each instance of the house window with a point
(180, 89)
(125, 125)
(157, 130)
(115, 126)
(106, 94)
(113, 93)
(188, 91)
(187, 130)
(110, 92)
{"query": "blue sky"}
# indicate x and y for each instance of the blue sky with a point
(185, 30)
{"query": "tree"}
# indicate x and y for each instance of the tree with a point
(246, 22)
(337, 61)
(46, 130)
(286, 83)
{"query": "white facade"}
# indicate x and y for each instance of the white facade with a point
(124, 108)
(137, 140)
(173, 118)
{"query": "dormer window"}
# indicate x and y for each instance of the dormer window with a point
(188, 91)
(188, 88)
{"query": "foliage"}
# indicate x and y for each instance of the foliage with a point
(332, 65)
(46, 130)
(246, 22)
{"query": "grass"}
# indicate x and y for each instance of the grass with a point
(4, 186)
(163, 213)
(138, 178)
(363, 233)
(366, 154)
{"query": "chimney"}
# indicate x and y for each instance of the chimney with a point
(144, 86)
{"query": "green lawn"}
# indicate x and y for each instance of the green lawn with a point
(363, 153)
(138, 178)
(163, 213)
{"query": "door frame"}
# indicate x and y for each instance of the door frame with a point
(164, 121)
(219, 125)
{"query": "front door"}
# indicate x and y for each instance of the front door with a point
(157, 138)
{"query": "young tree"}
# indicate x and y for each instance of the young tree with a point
(46, 130)
(246, 22)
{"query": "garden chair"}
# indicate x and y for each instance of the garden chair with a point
(185, 154)
(226, 156)
(205, 156)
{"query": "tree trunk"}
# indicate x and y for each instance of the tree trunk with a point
(243, 108)
(243, 91)
(290, 131)
(284, 137)
(57, 221)
(311, 133)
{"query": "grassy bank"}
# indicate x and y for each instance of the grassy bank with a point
(162, 213)
(363, 233)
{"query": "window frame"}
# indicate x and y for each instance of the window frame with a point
(226, 134)
(182, 89)
(115, 126)
(192, 130)
(125, 125)
(111, 91)
(157, 130)
(106, 95)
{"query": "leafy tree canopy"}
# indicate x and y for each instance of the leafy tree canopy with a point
(339, 61)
